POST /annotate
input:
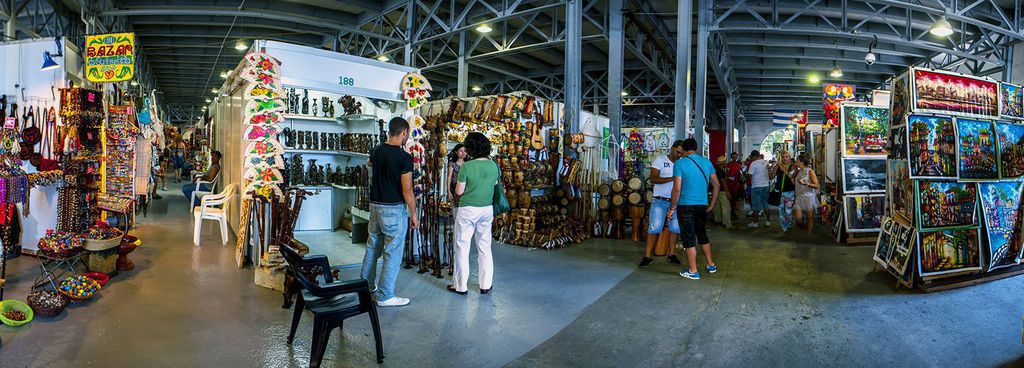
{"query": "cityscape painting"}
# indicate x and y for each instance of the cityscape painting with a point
(948, 251)
(901, 243)
(864, 212)
(898, 143)
(900, 191)
(976, 149)
(1000, 205)
(833, 95)
(1011, 101)
(898, 104)
(865, 130)
(951, 93)
(946, 204)
(931, 147)
(863, 175)
(1011, 150)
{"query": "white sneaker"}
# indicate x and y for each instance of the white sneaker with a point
(752, 225)
(393, 302)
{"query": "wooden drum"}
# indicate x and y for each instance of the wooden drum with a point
(635, 184)
(649, 196)
(618, 200)
(635, 199)
(604, 189)
(602, 203)
(636, 216)
(618, 186)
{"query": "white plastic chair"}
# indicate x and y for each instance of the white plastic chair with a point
(199, 193)
(208, 210)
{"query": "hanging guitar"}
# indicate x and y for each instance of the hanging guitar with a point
(536, 138)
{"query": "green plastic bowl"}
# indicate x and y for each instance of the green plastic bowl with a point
(11, 304)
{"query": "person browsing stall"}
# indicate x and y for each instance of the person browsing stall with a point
(392, 211)
(476, 181)
(758, 175)
(693, 174)
(661, 176)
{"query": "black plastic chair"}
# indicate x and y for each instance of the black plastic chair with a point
(331, 303)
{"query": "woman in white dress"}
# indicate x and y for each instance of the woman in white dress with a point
(806, 194)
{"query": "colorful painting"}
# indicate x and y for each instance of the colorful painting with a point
(901, 244)
(976, 149)
(1011, 101)
(1000, 206)
(898, 143)
(834, 94)
(864, 212)
(900, 99)
(950, 93)
(1011, 150)
(863, 175)
(945, 204)
(900, 191)
(948, 251)
(865, 130)
(883, 246)
(931, 147)
(109, 57)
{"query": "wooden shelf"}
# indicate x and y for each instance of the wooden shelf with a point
(319, 152)
(342, 187)
(357, 117)
(309, 118)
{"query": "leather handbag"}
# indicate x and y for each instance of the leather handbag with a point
(500, 202)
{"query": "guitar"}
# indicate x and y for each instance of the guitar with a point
(537, 139)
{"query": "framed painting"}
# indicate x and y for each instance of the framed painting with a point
(864, 212)
(1000, 207)
(1011, 150)
(898, 142)
(883, 249)
(948, 251)
(931, 147)
(865, 130)
(1011, 101)
(900, 191)
(833, 95)
(863, 175)
(900, 100)
(976, 149)
(946, 204)
(901, 244)
(944, 92)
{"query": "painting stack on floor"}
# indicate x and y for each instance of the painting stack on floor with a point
(955, 158)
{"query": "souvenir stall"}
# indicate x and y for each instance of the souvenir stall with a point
(953, 192)
(859, 197)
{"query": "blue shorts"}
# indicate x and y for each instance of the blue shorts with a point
(759, 199)
(659, 208)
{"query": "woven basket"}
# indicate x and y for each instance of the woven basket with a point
(96, 245)
(75, 298)
(45, 312)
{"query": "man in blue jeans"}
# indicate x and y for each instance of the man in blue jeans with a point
(661, 176)
(392, 211)
(693, 175)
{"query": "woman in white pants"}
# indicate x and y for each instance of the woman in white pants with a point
(475, 187)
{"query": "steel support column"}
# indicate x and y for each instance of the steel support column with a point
(730, 123)
(701, 84)
(682, 79)
(463, 77)
(409, 32)
(573, 64)
(615, 51)
(11, 27)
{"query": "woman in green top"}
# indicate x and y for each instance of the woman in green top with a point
(475, 188)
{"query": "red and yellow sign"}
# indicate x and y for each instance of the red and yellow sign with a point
(110, 57)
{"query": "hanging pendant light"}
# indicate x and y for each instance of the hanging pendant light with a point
(941, 28)
(836, 72)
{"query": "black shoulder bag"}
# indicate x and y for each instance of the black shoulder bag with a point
(775, 196)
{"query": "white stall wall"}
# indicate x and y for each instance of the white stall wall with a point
(20, 75)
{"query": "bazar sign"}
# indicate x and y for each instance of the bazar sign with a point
(110, 57)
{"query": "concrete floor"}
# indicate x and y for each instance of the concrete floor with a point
(776, 301)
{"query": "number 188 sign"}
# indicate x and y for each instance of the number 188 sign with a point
(110, 57)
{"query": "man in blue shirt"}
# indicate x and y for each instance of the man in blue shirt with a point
(693, 175)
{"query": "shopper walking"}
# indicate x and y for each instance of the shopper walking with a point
(693, 175)
(661, 176)
(734, 183)
(455, 160)
(758, 176)
(476, 181)
(210, 174)
(723, 208)
(392, 211)
(783, 184)
(806, 194)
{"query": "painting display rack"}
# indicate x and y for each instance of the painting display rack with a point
(933, 284)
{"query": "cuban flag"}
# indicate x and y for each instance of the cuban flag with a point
(788, 118)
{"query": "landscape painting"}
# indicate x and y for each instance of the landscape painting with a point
(931, 146)
(946, 204)
(833, 95)
(977, 150)
(898, 143)
(1000, 205)
(952, 93)
(948, 251)
(1011, 101)
(1011, 150)
(900, 191)
(865, 130)
(863, 175)
(864, 212)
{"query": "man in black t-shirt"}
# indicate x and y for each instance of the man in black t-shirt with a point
(392, 211)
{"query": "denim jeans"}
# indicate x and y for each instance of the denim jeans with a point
(187, 190)
(656, 216)
(387, 227)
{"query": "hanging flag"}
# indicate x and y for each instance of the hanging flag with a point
(787, 118)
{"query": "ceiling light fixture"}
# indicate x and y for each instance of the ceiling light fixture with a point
(224, 75)
(836, 72)
(48, 62)
(208, 100)
(476, 89)
(813, 78)
(134, 83)
(383, 58)
(214, 90)
(624, 94)
(484, 28)
(941, 27)
(241, 46)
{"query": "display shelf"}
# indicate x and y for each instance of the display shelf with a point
(343, 187)
(341, 153)
(357, 117)
(312, 186)
(310, 118)
(356, 212)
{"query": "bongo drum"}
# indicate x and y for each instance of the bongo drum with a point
(617, 186)
(635, 198)
(604, 189)
(666, 240)
(635, 184)
(618, 200)
(649, 197)
(636, 215)
(619, 213)
(602, 203)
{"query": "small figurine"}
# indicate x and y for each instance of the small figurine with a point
(305, 102)
(351, 106)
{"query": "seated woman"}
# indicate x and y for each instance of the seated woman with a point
(210, 174)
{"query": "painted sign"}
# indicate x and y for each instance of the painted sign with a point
(833, 95)
(110, 57)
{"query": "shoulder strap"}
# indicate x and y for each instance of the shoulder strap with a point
(706, 179)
